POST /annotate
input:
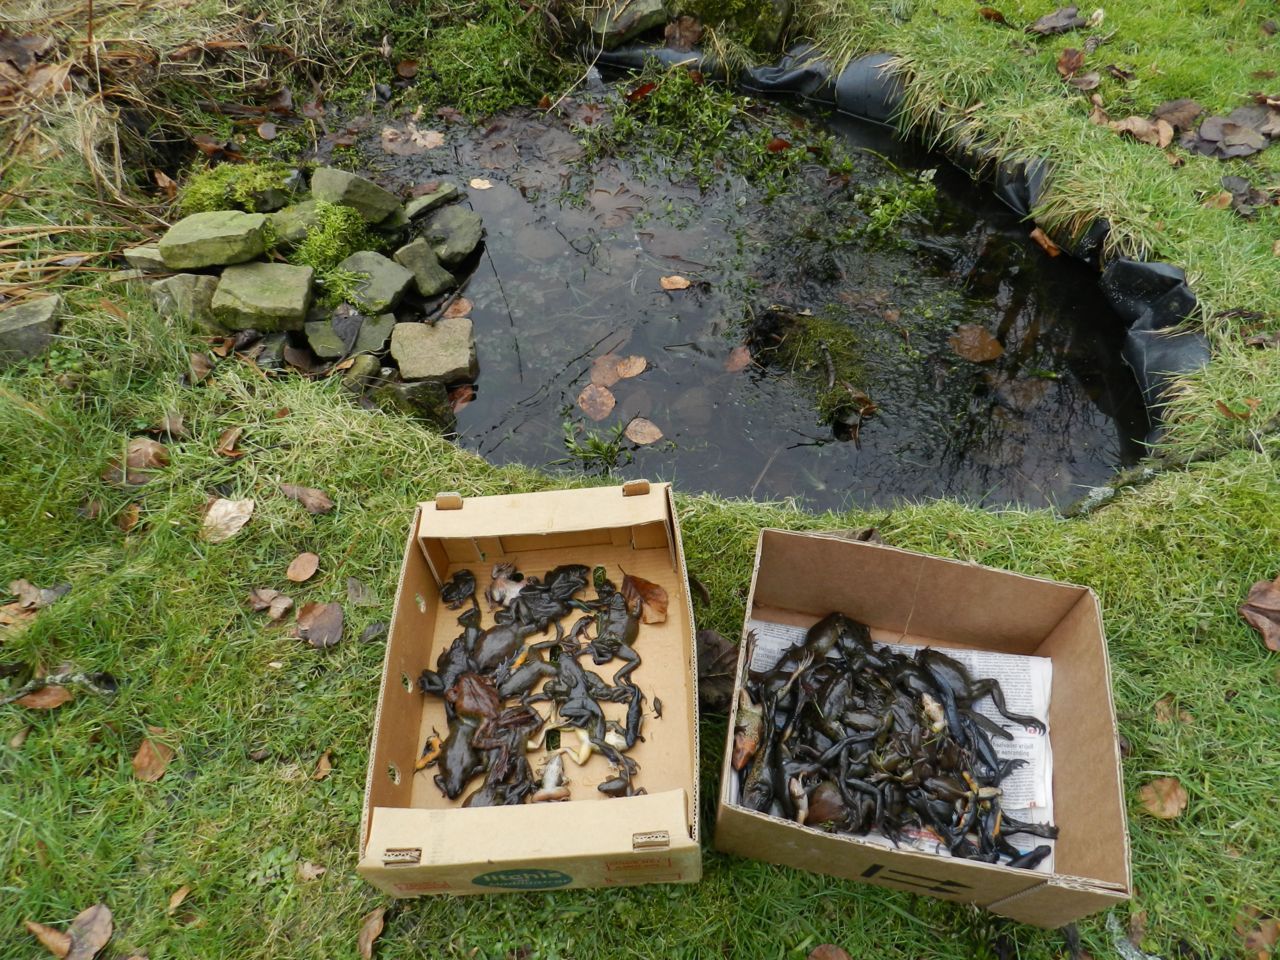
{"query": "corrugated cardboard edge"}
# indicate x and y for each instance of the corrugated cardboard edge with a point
(1030, 905)
(677, 541)
(366, 811)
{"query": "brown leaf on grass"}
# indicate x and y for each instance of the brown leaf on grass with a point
(55, 941)
(461, 307)
(739, 359)
(171, 426)
(320, 624)
(992, 14)
(1179, 114)
(1261, 610)
(1260, 934)
(324, 766)
(596, 401)
(675, 282)
(224, 518)
(1237, 409)
(128, 518)
(828, 951)
(316, 501)
(153, 757)
(303, 567)
(1045, 242)
(31, 597)
(19, 738)
(227, 443)
(1060, 21)
(975, 344)
(652, 597)
(717, 662)
(167, 184)
(1085, 81)
(370, 928)
(1219, 201)
(1158, 133)
(359, 594)
(1167, 711)
(142, 462)
(308, 871)
(1164, 797)
(273, 601)
(407, 69)
(200, 366)
(643, 431)
(176, 898)
(46, 698)
(1070, 60)
(89, 931)
(1275, 249)
(1098, 115)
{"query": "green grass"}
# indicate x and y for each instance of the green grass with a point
(166, 613)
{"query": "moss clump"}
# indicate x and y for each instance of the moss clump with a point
(889, 203)
(230, 186)
(339, 232)
(821, 350)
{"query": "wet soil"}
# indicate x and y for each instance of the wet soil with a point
(571, 267)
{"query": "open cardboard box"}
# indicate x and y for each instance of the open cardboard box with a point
(917, 600)
(413, 840)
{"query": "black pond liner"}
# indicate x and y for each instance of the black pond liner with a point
(1152, 298)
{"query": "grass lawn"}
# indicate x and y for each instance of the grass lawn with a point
(166, 612)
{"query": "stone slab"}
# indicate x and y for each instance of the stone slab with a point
(420, 259)
(338, 186)
(443, 351)
(27, 330)
(418, 206)
(188, 295)
(385, 281)
(263, 296)
(214, 239)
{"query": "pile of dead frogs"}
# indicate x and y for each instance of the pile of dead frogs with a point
(484, 670)
(845, 735)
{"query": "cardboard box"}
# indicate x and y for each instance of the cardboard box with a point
(413, 840)
(919, 600)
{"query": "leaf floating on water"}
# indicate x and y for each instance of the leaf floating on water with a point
(303, 567)
(89, 932)
(1164, 797)
(224, 518)
(675, 282)
(320, 624)
(604, 370)
(643, 431)
(316, 501)
(410, 141)
(142, 462)
(975, 344)
(46, 698)
(739, 359)
(459, 308)
(370, 929)
(480, 183)
(460, 396)
(1261, 610)
(596, 402)
(631, 366)
(153, 757)
(55, 941)
(1046, 243)
(653, 598)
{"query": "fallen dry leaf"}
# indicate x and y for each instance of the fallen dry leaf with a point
(359, 594)
(1238, 409)
(128, 518)
(1261, 610)
(410, 141)
(310, 871)
(460, 396)
(1158, 133)
(1179, 114)
(1167, 710)
(739, 359)
(596, 401)
(631, 366)
(1164, 797)
(370, 928)
(974, 343)
(19, 738)
(200, 366)
(142, 462)
(1060, 21)
(224, 518)
(324, 766)
(480, 183)
(1260, 940)
(652, 596)
(675, 282)
(167, 184)
(31, 597)
(46, 698)
(828, 951)
(316, 501)
(227, 443)
(992, 14)
(682, 33)
(153, 757)
(176, 898)
(1046, 242)
(408, 69)
(643, 431)
(320, 624)
(1219, 201)
(459, 308)
(604, 370)
(171, 426)
(55, 941)
(89, 931)
(273, 601)
(1070, 61)
(303, 567)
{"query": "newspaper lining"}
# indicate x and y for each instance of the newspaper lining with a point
(1026, 682)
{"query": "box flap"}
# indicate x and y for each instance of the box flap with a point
(553, 511)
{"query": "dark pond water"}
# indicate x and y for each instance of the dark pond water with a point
(571, 270)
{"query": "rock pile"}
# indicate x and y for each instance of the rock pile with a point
(387, 337)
